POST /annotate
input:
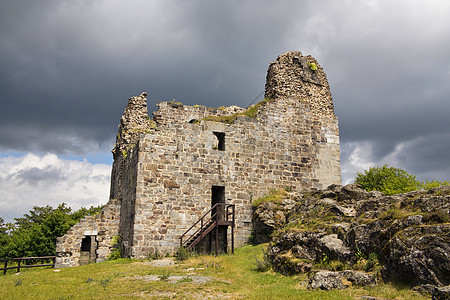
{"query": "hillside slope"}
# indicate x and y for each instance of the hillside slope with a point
(402, 239)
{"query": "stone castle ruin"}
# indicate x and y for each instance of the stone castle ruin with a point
(194, 161)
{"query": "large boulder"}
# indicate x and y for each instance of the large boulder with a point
(408, 235)
(328, 280)
(334, 248)
(267, 217)
(263, 223)
(419, 255)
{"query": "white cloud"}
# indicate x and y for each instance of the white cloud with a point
(33, 180)
(357, 158)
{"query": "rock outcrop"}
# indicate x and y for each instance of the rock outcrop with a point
(402, 238)
(327, 280)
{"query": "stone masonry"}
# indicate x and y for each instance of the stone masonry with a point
(166, 169)
(101, 228)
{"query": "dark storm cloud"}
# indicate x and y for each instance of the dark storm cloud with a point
(72, 65)
(68, 67)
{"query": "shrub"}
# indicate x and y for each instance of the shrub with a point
(182, 254)
(388, 180)
(426, 185)
(115, 252)
(372, 262)
(392, 181)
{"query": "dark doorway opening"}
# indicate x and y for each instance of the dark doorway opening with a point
(221, 140)
(88, 250)
(217, 195)
(218, 237)
(86, 243)
(85, 250)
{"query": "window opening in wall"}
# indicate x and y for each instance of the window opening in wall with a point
(221, 140)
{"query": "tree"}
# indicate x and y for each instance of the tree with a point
(388, 180)
(38, 215)
(35, 233)
(3, 227)
(3, 236)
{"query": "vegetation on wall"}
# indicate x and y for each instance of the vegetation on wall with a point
(392, 181)
(250, 112)
(312, 66)
(275, 196)
(35, 233)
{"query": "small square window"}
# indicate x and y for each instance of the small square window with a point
(221, 140)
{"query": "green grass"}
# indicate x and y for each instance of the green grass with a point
(234, 277)
(275, 196)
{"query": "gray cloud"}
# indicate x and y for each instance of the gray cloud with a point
(35, 175)
(68, 68)
(32, 180)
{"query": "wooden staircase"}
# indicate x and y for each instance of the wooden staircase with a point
(221, 214)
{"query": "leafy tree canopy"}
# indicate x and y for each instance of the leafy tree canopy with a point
(35, 233)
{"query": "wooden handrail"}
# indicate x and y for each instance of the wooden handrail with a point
(20, 259)
(202, 217)
(205, 225)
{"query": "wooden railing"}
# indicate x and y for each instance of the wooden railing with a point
(24, 259)
(221, 214)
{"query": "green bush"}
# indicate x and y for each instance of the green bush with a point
(392, 181)
(115, 252)
(372, 262)
(426, 185)
(388, 180)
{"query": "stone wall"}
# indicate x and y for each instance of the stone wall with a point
(165, 169)
(101, 227)
(285, 146)
(175, 114)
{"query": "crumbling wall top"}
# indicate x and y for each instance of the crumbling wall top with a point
(299, 77)
(134, 120)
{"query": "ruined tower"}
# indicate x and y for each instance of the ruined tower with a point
(171, 170)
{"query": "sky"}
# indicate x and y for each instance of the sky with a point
(67, 69)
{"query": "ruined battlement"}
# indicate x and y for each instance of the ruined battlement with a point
(176, 114)
(294, 76)
(168, 171)
(134, 121)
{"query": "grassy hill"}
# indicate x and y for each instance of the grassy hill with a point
(202, 277)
